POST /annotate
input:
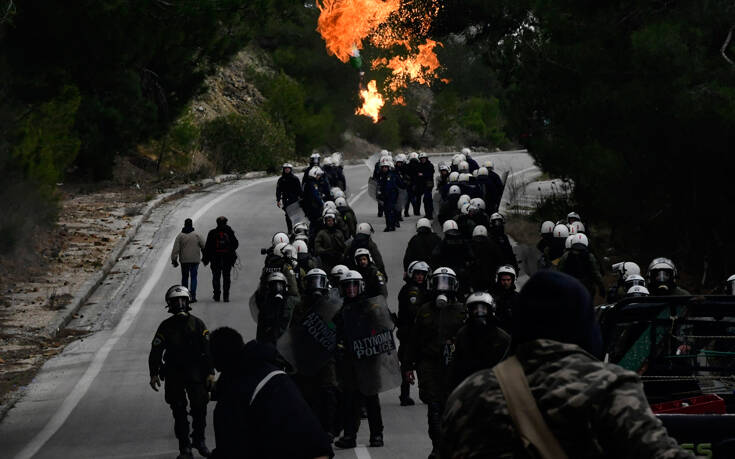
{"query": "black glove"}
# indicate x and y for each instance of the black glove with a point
(175, 263)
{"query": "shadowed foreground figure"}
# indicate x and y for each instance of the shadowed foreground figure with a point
(260, 412)
(594, 409)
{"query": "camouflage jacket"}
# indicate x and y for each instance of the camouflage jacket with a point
(594, 409)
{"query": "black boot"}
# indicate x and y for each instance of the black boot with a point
(185, 450)
(201, 446)
(376, 441)
(345, 442)
(405, 396)
(215, 297)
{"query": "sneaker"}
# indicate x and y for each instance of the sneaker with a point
(376, 441)
(407, 401)
(346, 442)
(201, 446)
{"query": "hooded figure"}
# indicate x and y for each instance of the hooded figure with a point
(220, 249)
(594, 409)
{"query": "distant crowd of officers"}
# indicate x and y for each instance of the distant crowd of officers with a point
(453, 317)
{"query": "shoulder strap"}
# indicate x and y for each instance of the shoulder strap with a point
(524, 411)
(263, 382)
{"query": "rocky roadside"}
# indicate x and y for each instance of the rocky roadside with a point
(97, 241)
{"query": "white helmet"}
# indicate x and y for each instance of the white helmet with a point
(413, 156)
(489, 165)
(315, 158)
(480, 305)
(329, 214)
(401, 158)
(661, 271)
(464, 177)
(315, 172)
(547, 227)
(580, 239)
(301, 228)
(285, 165)
(576, 228)
(423, 223)
(561, 231)
(337, 272)
(279, 238)
(626, 268)
(300, 247)
(453, 176)
(362, 253)
(466, 151)
(568, 242)
(505, 269)
(633, 280)
(454, 189)
(443, 166)
(497, 219)
(444, 280)
(475, 172)
(423, 155)
(450, 225)
(465, 208)
(463, 166)
(730, 285)
(351, 278)
(328, 161)
(330, 205)
(482, 171)
(479, 202)
(385, 153)
(574, 215)
(336, 192)
(637, 291)
(464, 199)
(417, 266)
(340, 202)
(456, 159)
(479, 230)
(316, 279)
(386, 161)
(365, 228)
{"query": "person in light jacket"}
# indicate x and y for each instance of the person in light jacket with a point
(187, 250)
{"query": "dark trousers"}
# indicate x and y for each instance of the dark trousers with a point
(428, 202)
(221, 268)
(289, 224)
(353, 402)
(190, 270)
(177, 392)
(391, 213)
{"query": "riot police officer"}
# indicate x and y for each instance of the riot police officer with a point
(480, 343)
(374, 279)
(180, 357)
(423, 186)
(663, 278)
(288, 191)
(410, 298)
(505, 296)
(280, 299)
(422, 244)
(432, 344)
(389, 185)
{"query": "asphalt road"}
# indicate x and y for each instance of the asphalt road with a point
(93, 400)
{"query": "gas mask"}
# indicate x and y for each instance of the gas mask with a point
(442, 301)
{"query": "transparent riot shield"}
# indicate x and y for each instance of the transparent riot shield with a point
(312, 340)
(369, 331)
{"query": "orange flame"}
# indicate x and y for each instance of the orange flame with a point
(345, 23)
(419, 68)
(372, 102)
(387, 24)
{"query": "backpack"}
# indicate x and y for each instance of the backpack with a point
(222, 243)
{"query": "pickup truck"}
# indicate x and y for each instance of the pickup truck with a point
(684, 349)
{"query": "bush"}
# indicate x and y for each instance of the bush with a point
(246, 142)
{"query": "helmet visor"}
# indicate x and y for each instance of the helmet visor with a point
(351, 288)
(178, 304)
(276, 287)
(633, 282)
(478, 310)
(316, 282)
(444, 283)
(662, 276)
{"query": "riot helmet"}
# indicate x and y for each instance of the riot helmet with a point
(316, 281)
(480, 307)
(637, 291)
(418, 271)
(423, 224)
(573, 217)
(365, 228)
(361, 255)
(577, 228)
(351, 285)
(497, 220)
(505, 277)
(279, 238)
(335, 275)
(662, 275)
(177, 300)
(730, 285)
(444, 280)
(561, 231)
(277, 285)
(479, 232)
(453, 177)
(634, 279)
(547, 227)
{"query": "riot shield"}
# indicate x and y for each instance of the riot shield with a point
(296, 213)
(373, 188)
(311, 341)
(369, 332)
(402, 200)
(254, 309)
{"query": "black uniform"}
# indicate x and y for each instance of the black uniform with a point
(505, 302)
(449, 209)
(410, 298)
(180, 356)
(497, 236)
(374, 280)
(288, 191)
(420, 247)
(363, 241)
(275, 311)
(476, 347)
(488, 258)
(424, 183)
(455, 253)
(220, 251)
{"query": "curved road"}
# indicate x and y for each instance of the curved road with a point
(93, 400)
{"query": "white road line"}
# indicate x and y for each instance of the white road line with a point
(358, 196)
(362, 452)
(81, 388)
(522, 171)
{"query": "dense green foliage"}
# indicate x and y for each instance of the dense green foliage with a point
(633, 101)
(247, 142)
